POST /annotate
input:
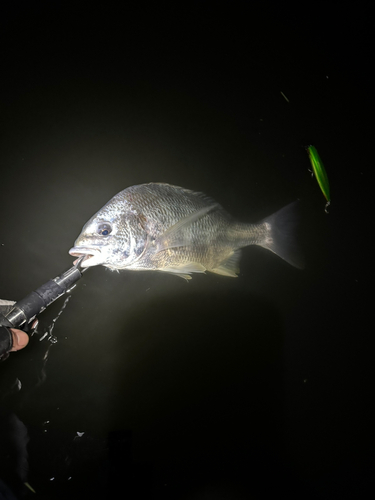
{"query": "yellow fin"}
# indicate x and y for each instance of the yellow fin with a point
(230, 266)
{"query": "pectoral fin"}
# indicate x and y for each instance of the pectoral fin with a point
(173, 237)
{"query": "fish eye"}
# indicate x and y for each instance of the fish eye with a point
(104, 229)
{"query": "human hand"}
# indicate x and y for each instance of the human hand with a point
(11, 339)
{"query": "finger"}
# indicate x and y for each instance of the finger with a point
(20, 339)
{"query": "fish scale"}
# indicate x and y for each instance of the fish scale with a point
(167, 228)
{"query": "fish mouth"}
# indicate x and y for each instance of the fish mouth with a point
(92, 256)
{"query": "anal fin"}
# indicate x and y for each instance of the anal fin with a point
(230, 266)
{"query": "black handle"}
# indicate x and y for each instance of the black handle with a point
(26, 309)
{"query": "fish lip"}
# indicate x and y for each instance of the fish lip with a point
(92, 256)
(78, 251)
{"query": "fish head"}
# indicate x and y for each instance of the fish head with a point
(111, 239)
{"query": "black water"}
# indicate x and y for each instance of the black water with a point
(216, 388)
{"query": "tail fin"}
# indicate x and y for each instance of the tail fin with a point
(281, 236)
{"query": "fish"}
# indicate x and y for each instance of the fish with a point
(161, 227)
(320, 174)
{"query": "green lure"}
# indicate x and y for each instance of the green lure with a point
(320, 174)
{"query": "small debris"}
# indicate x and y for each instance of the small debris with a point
(285, 97)
(30, 487)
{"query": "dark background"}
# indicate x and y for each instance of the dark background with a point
(217, 388)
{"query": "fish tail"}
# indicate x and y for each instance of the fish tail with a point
(280, 235)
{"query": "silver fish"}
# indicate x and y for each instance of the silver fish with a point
(167, 228)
